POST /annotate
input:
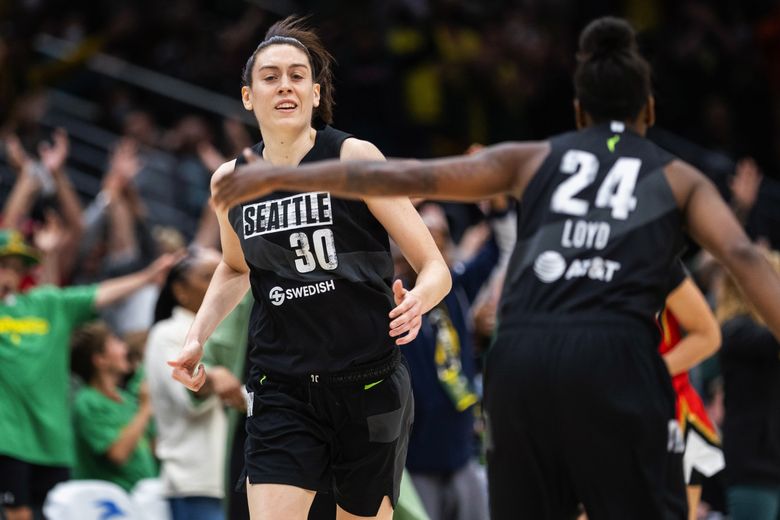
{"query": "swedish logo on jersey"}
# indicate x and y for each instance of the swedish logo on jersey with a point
(278, 295)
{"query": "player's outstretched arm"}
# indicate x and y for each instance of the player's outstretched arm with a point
(712, 224)
(499, 169)
(228, 285)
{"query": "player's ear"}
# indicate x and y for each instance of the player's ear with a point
(316, 95)
(246, 97)
(650, 111)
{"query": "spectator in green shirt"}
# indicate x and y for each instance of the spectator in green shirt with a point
(110, 424)
(36, 437)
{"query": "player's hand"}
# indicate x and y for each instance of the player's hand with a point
(407, 315)
(242, 184)
(187, 368)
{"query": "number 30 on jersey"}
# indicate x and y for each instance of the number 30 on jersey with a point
(616, 191)
(323, 245)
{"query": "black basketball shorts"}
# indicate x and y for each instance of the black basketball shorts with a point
(581, 411)
(26, 484)
(350, 440)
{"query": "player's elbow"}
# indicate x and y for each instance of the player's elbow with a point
(741, 256)
(742, 251)
(235, 268)
(447, 282)
(445, 277)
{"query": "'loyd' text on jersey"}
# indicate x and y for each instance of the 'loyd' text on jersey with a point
(587, 234)
(297, 211)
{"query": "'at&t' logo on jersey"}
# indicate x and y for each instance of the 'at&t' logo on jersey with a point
(279, 295)
(550, 266)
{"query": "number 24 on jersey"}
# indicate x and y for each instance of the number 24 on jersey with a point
(616, 191)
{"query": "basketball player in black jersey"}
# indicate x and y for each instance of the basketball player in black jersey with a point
(578, 401)
(330, 400)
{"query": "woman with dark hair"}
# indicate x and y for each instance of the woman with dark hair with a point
(330, 404)
(579, 405)
(186, 283)
(110, 425)
(186, 423)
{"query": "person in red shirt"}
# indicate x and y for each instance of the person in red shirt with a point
(691, 334)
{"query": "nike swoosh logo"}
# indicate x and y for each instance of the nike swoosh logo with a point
(369, 386)
(612, 142)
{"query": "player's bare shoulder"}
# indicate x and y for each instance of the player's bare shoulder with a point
(224, 169)
(355, 149)
(683, 179)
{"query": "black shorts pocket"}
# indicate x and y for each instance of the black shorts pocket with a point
(386, 406)
(385, 427)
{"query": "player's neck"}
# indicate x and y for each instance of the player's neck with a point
(638, 125)
(287, 148)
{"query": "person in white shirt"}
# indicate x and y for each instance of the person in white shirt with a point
(191, 428)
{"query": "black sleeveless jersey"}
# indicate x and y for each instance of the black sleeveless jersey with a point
(599, 230)
(321, 275)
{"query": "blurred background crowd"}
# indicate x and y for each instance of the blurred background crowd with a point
(113, 115)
